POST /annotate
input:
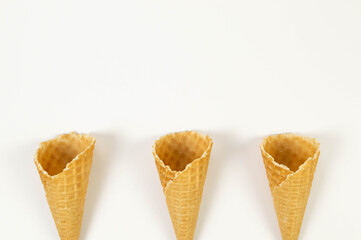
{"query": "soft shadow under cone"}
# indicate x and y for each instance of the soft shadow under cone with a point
(64, 166)
(182, 162)
(290, 161)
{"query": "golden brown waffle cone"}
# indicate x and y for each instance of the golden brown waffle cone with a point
(64, 167)
(182, 162)
(290, 161)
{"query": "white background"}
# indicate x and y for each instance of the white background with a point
(129, 72)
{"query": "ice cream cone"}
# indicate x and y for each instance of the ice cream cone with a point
(290, 161)
(64, 166)
(182, 162)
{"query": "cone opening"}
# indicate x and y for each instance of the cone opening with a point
(55, 154)
(290, 150)
(177, 150)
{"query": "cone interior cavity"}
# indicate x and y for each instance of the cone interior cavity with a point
(55, 154)
(290, 150)
(179, 149)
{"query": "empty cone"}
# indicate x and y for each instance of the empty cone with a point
(64, 166)
(182, 162)
(290, 161)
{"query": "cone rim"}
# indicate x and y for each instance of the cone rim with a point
(68, 165)
(302, 166)
(177, 173)
(190, 132)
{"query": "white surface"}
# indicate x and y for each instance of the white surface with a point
(130, 71)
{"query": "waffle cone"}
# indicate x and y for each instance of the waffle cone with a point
(64, 166)
(290, 161)
(182, 162)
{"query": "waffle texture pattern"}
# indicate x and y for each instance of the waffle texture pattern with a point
(182, 161)
(290, 161)
(64, 166)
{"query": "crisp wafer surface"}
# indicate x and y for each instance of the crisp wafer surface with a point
(182, 161)
(290, 161)
(64, 166)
